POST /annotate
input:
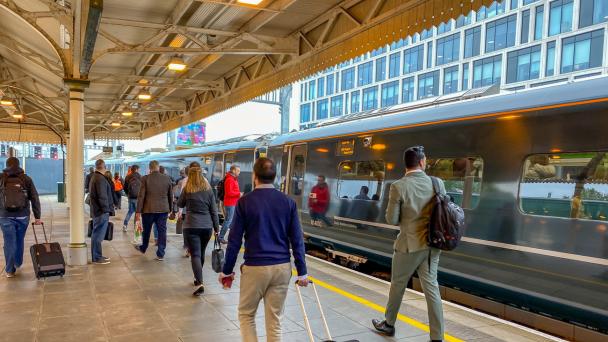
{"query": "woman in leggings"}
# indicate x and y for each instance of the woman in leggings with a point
(200, 222)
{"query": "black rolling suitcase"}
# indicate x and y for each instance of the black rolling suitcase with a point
(47, 257)
(109, 232)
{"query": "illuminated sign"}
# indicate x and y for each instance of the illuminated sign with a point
(193, 134)
(346, 147)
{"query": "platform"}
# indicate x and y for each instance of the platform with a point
(137, 298)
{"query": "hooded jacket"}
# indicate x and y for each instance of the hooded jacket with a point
(32, 195)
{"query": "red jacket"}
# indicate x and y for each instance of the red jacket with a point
(322, 202)
(232, 193)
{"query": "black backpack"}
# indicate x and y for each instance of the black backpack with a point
(134, 186)
(446, 226)
(14, 192)
(220, 189)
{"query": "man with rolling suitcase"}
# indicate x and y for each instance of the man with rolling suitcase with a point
(17, 191)
(101, 193)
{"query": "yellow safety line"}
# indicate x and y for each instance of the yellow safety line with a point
(377, 307)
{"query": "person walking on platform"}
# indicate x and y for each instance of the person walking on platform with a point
(118, 187)
(268, 220)
(232, 193)
(87, 180)
(17, 191)
(154, 203)
(201, 220)
(101, 192)
(182, 211)
(318, 202)
(131, 187)
(410, 206)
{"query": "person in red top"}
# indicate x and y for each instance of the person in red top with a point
(232, 193)
(318, 202)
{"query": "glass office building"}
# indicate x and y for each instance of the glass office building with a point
(513, 44)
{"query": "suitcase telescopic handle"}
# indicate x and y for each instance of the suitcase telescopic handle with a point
(43, 231)
(306, 321)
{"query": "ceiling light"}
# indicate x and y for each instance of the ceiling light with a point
(6, 102)
(127, 113)
(249, 2)
(144, 95)
(17, 116)
(176, 64)
(115, 124)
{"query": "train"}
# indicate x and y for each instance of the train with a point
(530, 169)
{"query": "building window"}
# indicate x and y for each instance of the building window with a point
(426, 34)
(486, 72)
(365, 74)
(321, 86)
(523, 65)
(514, 4)
(538, 22)
(570, 185)
(305, 113)
(583, 51)
(428, 85)
(444, 27)
(393, 65)
(407, 89)
(560, 17)
(302, 92)
(348, 79)
(330, 84)
(550, 67)
(429, 55)
(390, 94)
(322, 109)
(495, 9)
(448, 49)
(592, 12)
(413, 59)
(450, 80)
(465, 76)
(500, 34)
(312, 90)
(380, 69)
(462, 178)
(527, 2)
(336, 106)
(464, 20)
(355, 101)
(472, 42)
(525, 26)
(370, 98)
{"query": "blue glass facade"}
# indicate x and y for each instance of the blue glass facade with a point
(513, 44)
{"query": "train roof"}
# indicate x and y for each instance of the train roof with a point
(502, 103)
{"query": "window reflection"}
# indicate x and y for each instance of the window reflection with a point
(462, 178)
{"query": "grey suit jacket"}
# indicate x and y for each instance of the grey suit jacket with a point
(409, 207)
(155, 194)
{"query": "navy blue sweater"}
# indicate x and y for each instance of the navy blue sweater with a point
(268, 220)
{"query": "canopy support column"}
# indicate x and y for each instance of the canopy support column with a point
(77, 248)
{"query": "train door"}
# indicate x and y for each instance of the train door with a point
(296, 173)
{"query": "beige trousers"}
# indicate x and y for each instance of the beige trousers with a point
(263, 282)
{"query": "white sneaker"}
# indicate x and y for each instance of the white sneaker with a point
(10, 274)
(124, 228)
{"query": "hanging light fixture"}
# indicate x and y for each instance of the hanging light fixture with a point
(6, 101)
(144, 95)
(115, 124)
(176, 64)
(17, 116)
(127, 113)
(249, 2)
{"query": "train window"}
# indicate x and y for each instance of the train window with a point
(573, 185)
(461, 176)
(361, 179)
(298, 170)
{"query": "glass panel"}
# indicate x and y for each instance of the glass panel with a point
(462, 178)
(538, 23)
(370, 98)
(390, 94)
(322, 109)
(571, 185)
(336, 106)
(321, 86)
(525, 26)
(361, 180)
(393, 65)
(298, 170)
(407, 90)
(355, 100)
(465, 76)
(380, 69)
(550, 59)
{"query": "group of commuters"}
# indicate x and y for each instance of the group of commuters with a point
(265, 220)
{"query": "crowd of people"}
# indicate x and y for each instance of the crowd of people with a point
(266, 220)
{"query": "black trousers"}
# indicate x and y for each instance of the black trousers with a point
(197, 240)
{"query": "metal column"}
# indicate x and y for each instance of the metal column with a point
(77, 248)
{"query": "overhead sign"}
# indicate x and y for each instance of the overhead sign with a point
(193, 134)
(108, 149)
(346, 147)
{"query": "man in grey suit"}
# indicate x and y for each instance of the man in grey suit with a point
(154, 202)
(409, 205)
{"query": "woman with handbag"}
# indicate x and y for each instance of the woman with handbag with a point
(200, 222)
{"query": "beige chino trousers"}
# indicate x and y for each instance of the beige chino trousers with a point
(263, 282)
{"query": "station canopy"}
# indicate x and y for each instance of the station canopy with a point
(231, 51)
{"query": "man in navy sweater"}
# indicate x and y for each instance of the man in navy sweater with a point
(268, 220)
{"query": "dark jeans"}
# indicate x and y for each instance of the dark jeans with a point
(117, 199)
(320, 216)
(229, 212)
(100, 225)
(132, 208)
(197, 243)
(13, 231)
(160, 221)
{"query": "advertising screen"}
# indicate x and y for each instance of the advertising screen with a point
(191, 135)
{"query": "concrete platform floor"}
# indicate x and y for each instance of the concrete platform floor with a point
(137, 298)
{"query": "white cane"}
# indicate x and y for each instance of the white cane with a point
(321, 310)
(308, 328)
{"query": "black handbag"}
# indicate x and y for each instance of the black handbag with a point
(217, 256)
